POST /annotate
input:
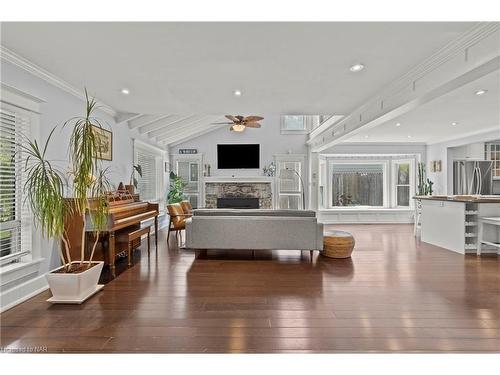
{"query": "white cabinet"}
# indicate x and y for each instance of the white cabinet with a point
(471, 151)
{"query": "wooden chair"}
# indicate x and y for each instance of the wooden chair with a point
(187, 208)
(177, 222)
(130, 237)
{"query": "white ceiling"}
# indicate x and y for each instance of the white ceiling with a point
(193, 68)
(431, 122)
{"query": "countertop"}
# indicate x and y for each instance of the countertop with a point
(461, 198)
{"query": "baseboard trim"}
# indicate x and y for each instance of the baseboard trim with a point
(22, 292)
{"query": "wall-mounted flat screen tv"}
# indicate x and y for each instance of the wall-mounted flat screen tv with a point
(238, 156)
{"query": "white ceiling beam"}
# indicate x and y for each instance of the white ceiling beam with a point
(202, 123)
(325, 125)
(177, 140)
(182, 125)
(407, 103)
(162, 122)
(469, 57)
(144, 120)
(125, 117)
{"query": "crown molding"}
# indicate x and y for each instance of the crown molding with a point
(10, 56)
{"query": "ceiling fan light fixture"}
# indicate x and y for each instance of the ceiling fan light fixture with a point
(238, 127)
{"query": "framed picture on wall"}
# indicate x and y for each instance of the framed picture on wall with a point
(104, 143)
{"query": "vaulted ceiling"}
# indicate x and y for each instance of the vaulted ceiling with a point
(182, 76)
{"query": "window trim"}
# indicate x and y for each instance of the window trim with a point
(192, 159)
(394, 185)
(26, 105)
(389, 189)
(160, 156)
(307, 121)
(385, 166)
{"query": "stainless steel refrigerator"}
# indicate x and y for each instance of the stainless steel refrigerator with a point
(471, 177)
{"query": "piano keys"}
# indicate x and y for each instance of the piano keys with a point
(124, 214)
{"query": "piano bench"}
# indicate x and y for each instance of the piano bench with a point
(129, 238)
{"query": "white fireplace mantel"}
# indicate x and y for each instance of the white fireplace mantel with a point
(242, 179)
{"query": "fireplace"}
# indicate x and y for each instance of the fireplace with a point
(238, 202)
(231, 190)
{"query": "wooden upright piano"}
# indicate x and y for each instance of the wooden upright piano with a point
(125, 214)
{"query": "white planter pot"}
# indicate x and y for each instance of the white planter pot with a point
(74, 287)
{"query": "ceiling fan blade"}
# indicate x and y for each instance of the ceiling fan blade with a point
(221, 123)
(253, 118)
(232, 118)
(252, 125)
(240, 118)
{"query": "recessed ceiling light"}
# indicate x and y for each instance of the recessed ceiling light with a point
(481, 92)
(125, 91)
(454, 123)
(409, 136)
(356, 67)
(398, 124)
(366, 136)
(237, 93)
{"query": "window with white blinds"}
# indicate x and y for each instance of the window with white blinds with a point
(150, 184)
(15, 221)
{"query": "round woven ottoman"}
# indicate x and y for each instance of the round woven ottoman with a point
(337, 244)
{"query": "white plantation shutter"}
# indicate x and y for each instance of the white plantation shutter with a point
(150, 159)
(15, 220)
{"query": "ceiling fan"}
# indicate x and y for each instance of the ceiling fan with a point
(239, 123)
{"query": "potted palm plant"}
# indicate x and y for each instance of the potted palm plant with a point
(75, 280)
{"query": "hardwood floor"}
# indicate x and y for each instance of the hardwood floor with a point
(394, 295)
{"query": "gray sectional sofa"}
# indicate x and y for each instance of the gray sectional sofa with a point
(251, 229)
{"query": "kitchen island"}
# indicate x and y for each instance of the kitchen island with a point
(451, 221)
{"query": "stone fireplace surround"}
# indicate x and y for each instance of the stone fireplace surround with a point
(233, 187)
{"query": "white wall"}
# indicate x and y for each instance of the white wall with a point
(269, 137)
(443, 181)
(58, 107)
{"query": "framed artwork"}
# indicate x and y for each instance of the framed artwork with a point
(436, 166)
(104, 143)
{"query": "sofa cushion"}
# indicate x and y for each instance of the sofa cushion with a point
(252, 212)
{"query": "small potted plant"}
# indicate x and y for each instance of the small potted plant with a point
(133, 181)
(75, 280)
